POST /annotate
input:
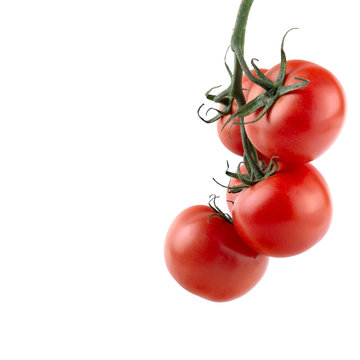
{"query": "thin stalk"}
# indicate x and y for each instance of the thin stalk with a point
(237, 44)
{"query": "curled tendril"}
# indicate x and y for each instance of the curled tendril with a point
(271, 168)
(282, 72)
(233, 189)
(228, 173)
(220, 113)
(218, 212)
(208, 94)
(217, 110)
(226, 65)
(225, 98)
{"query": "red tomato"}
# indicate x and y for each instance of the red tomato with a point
(207, 257)
(286, 213)
(230, 136)
(302, 124)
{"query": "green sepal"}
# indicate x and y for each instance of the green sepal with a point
(233, 189)
(259, 73)
(286, 89)
(282, 72)
(218, 212)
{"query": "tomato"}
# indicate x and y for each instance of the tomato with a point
(208, 258)
(285, 214)
(302, 124)
(230, 136)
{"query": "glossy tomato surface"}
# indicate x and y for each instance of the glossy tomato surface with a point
(230, 136)
(207, 257)
(302, 124)
(285, 214)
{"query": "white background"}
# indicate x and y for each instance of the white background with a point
(101, 147)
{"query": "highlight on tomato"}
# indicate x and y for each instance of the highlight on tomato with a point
(206, 256)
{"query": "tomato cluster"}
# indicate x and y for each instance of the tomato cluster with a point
(280, 204)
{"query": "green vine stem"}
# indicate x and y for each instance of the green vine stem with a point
(237, 45)
(273, 90)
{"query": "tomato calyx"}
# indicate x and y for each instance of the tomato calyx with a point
(273, 89)
(217, 211)
(248, 179)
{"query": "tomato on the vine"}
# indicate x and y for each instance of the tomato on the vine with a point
(302, 124)
(285, 214)
(278, 120)
(205, 255)
(230, 135)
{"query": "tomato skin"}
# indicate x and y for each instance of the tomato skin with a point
(230, 136)
(285, 214)
(302, 124)
(208, 258)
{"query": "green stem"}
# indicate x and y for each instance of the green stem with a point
(236, 84)
(237, 44)
(238, 37)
